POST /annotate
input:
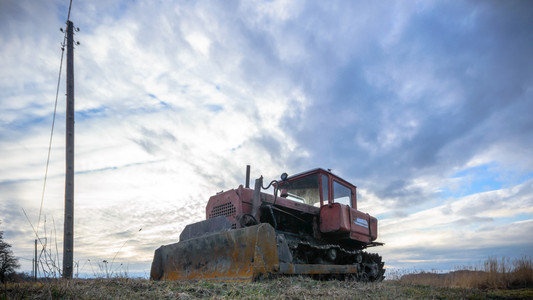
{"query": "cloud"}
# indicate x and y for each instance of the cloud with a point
(470, 224)
(424, 103)
(424, 106)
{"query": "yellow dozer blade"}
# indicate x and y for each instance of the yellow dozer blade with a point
(235, 255)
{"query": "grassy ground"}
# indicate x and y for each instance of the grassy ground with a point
(494, 279)
(280, 288)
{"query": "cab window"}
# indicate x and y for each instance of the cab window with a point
(342, 194)
(305, 190)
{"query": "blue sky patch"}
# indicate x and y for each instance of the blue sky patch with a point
(214, 107)
(483, 178)
(474, 180)
(98, 112)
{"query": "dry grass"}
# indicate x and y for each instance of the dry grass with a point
(280, 288)
(494, 279)
(492, 274)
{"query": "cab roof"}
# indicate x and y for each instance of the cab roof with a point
(317, 171)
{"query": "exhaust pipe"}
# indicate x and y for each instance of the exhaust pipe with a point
(247, 176)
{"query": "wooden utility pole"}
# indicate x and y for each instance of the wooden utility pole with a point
(36, 263)
(68, 232)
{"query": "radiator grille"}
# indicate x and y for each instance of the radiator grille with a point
(226, 209)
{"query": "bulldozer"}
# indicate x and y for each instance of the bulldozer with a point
(308, 226)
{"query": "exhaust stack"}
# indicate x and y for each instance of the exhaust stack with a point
(247, 176)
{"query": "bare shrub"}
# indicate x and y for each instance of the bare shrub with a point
(522, 275)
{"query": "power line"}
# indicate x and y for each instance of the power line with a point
(69, 6)
(52, 131)
(53, 119)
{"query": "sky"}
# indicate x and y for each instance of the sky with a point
(425, 106)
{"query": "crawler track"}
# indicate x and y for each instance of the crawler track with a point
(369, 265)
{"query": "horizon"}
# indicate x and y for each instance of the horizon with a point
(424, 106)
